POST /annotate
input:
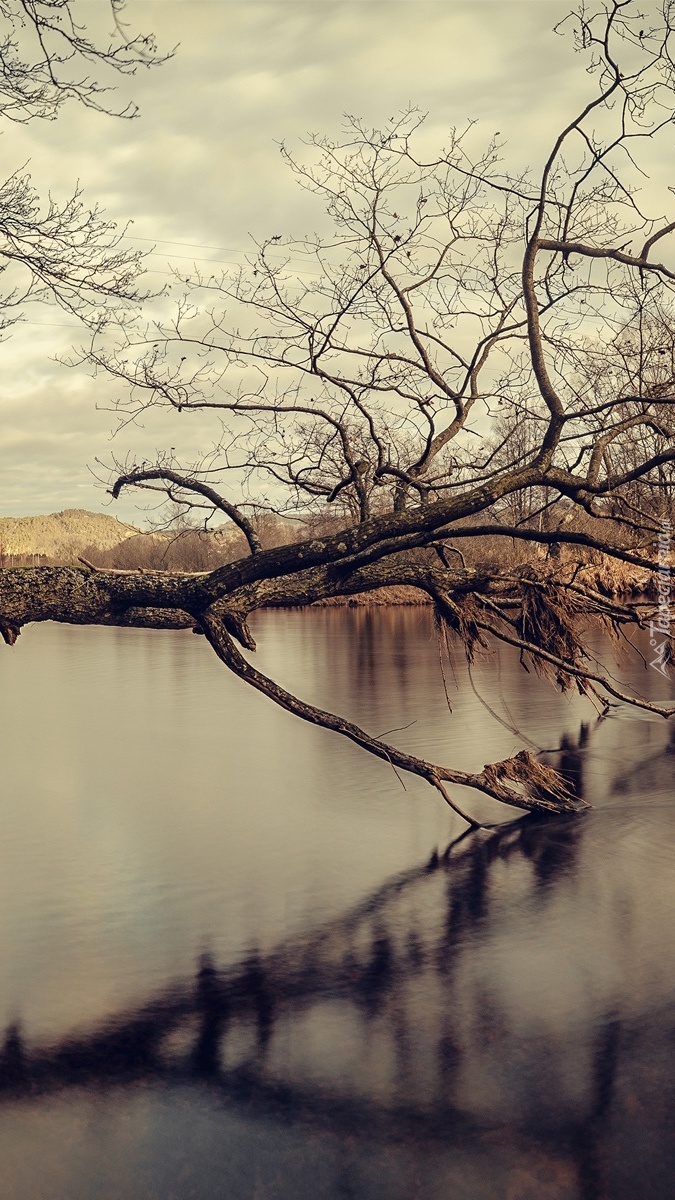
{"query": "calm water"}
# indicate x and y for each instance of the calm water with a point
(238, 962)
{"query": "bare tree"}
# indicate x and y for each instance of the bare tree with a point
(637, 363)
(379, 372)
(55, 250)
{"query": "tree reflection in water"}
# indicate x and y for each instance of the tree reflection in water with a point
(378, 1024)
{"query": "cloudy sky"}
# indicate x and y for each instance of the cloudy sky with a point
(200, 171)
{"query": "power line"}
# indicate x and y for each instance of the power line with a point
(195, 245)
(205, 246)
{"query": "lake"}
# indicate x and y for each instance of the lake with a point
(240, 958)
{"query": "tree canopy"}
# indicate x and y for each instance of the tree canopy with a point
(467, 351)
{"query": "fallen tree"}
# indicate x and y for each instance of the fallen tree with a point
(537, 615)
(454, 302)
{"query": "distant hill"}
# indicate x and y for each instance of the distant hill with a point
(61, 537)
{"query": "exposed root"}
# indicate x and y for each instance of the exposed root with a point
(458, 614)
(547, 619)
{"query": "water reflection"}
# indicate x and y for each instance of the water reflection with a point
(496, 1020)
(444, 1058)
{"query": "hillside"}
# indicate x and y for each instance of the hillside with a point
(61, 537)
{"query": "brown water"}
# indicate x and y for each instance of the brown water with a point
(237, 962)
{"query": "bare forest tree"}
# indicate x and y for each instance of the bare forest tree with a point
(468, 350)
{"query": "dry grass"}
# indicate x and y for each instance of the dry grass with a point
(524, 775)
(614, 578)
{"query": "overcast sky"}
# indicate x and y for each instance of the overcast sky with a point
(200, 170)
